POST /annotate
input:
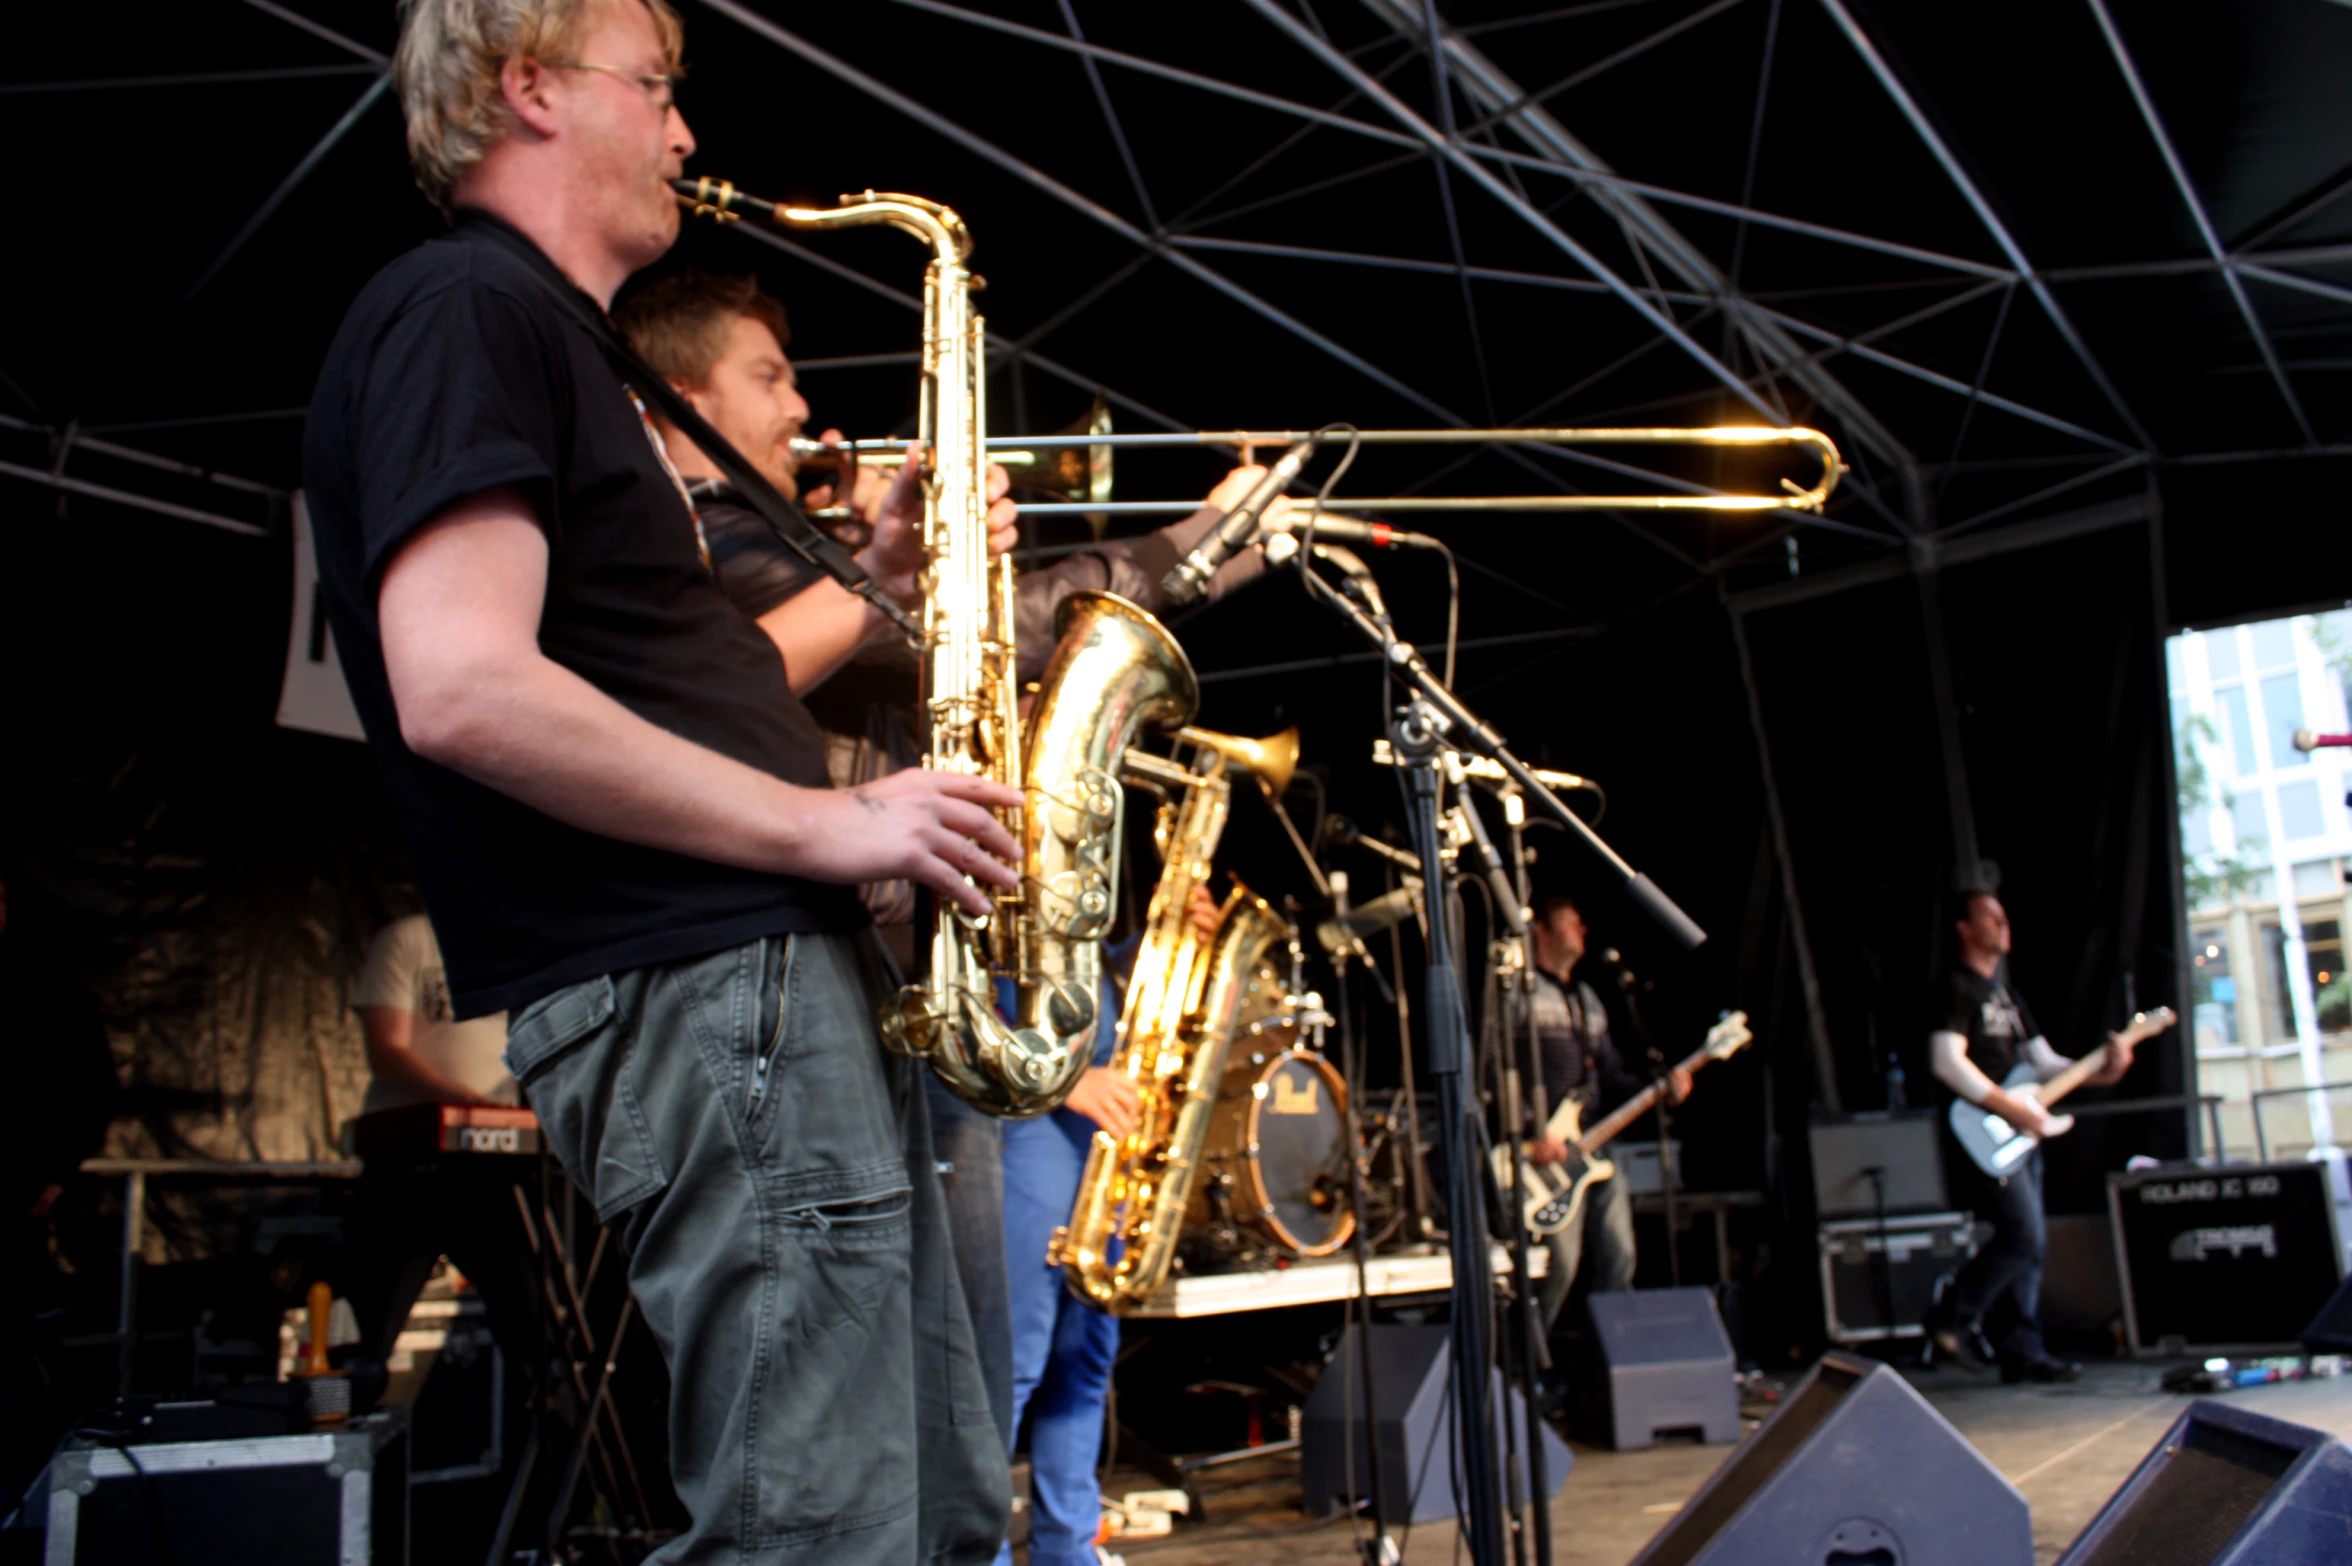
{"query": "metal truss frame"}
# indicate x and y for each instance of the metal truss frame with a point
(1509, 148)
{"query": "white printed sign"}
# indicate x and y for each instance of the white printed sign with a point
(314, 696)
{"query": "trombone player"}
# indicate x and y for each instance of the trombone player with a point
(722, 344)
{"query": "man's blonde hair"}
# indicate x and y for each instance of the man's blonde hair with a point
(447, 66)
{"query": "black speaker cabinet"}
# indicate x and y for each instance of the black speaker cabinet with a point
(1414, 1429)
(2235, 1257)
(1852, 1467)
(1658, 1363)
(2228, 1488)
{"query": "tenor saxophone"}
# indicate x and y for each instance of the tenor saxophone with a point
(1115, 669)
(1183, 1003)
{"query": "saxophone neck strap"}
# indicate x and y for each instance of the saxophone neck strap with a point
(752, 489)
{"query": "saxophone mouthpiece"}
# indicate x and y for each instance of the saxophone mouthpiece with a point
(716, 199)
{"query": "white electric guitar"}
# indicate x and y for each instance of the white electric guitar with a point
(1996, 1146)
(1552, 1195)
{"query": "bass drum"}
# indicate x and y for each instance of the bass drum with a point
(1275, 1170)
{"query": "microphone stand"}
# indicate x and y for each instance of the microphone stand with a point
(1513, 974)
(1418, 730)
(1661, 1076)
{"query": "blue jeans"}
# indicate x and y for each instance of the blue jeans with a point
(2000, 1290)
(1063, 1348)
(1605, 1230)
(769, 1170)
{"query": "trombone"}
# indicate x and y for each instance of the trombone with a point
(1033, 450)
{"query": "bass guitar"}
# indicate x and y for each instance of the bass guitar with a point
(1996, 1146)
(1552, 1195)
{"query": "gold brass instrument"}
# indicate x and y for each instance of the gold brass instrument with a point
(1073, 473)
(1115, 670)
(1793, 497)
(1182, 1006)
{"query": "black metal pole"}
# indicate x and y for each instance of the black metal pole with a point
(1512, 1024)
(1519, 1018)
(1433, 719)
(1413, 735)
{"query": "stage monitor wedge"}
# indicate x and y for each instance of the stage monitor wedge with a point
(1660, 1363)
(1414, 1429)
(1852, 1467)
(2330, 1331)
(2227, 1487)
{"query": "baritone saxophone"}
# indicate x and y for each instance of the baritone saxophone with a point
(1115, 669)
(1183, 1003)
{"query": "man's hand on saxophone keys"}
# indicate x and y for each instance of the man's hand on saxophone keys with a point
(894, 510)
(934, 827)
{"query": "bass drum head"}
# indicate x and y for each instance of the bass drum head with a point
(1298, 1134)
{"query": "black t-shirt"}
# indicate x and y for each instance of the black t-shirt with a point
(456, 372)
(1580, 1060)
(1993, 1018)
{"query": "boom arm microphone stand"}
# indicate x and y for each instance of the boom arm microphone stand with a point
(1431, 719)
(1507, 1024)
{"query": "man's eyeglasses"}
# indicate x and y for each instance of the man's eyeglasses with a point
(662, 90)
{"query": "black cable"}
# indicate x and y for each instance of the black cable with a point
(120, 1444)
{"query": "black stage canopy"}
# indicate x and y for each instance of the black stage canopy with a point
(2070, 284)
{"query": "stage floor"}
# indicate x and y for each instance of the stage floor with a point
(2066, 1448)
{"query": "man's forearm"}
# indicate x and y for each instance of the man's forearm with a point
(816, 629)
(534, 730)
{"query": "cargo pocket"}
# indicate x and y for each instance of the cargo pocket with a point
(835, 1356)
(578, 1065)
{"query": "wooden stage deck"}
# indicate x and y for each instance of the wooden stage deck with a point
(2066, 1448)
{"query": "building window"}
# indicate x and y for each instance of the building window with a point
(2274, 644)
(2213, 993)
(2247, 825)
(2299, 816)
(2323, 946)
(2282, 710)
(2221, 654)
(2197, 833)
(2318, 878)
(2237, 726)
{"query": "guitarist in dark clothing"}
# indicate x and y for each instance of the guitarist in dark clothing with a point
(1581, 1061)
(1984, 1031)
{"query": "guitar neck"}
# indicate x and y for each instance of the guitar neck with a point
(2146, 1026)
(2071, 1078)
(1609, 1126)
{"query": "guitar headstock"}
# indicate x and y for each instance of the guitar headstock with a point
(2148, 1024)
(1729, 1036)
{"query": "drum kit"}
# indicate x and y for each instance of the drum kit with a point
(1273, 1185)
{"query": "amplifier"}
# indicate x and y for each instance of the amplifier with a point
(2230, 1257)
(422, 1130)
(1863, 1274)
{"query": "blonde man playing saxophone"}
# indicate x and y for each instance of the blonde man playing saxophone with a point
(620, 817)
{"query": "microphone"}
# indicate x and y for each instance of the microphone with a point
(1378, 534)
(1339, 935)
(1612, 958)
(1234, 532)
(1344, 833)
